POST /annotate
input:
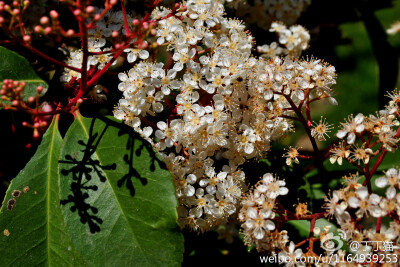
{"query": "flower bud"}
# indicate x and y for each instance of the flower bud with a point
(90, 9)
(136, 22)
(27, 38)
(38, 28)
(36, 134)
(115, 34)
(47, 30)
(77, 12)
(54, 14)
(70, 32)
(44, 20)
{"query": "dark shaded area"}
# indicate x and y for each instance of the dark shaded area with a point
(385, 54)
(81, 174)
(129, 157)
(201, 248)
(127, 178)
(16, 147)
(82, 170)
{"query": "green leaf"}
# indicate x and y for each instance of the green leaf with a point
(32, 230)
(302, 227)
(118, 200)
(17, 68)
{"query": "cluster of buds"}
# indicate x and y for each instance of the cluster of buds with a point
(52, 26)
(12, 98)
(12, 91)
(11, 12)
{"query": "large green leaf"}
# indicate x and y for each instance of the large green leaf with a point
(32, 230)
(118, 200)
(17, 68)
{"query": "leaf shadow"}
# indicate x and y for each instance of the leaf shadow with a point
(81, 170)
(85, 168)
(133, 151)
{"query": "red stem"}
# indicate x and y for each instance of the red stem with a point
(84, 37)
(127, 31)
(307, 127)
(378, 224)
(55, 61)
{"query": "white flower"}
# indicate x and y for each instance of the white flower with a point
(257, 224)
(272, 187)
(366, 203)
(167, 82)
(391, 178)
(134, 53)
(352, 127)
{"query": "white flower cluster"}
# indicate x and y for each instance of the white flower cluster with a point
(294, 41)
(378, 128)
(353, 204)
(217, 106)
(257, 213)
(111, 21)
(264, 12)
